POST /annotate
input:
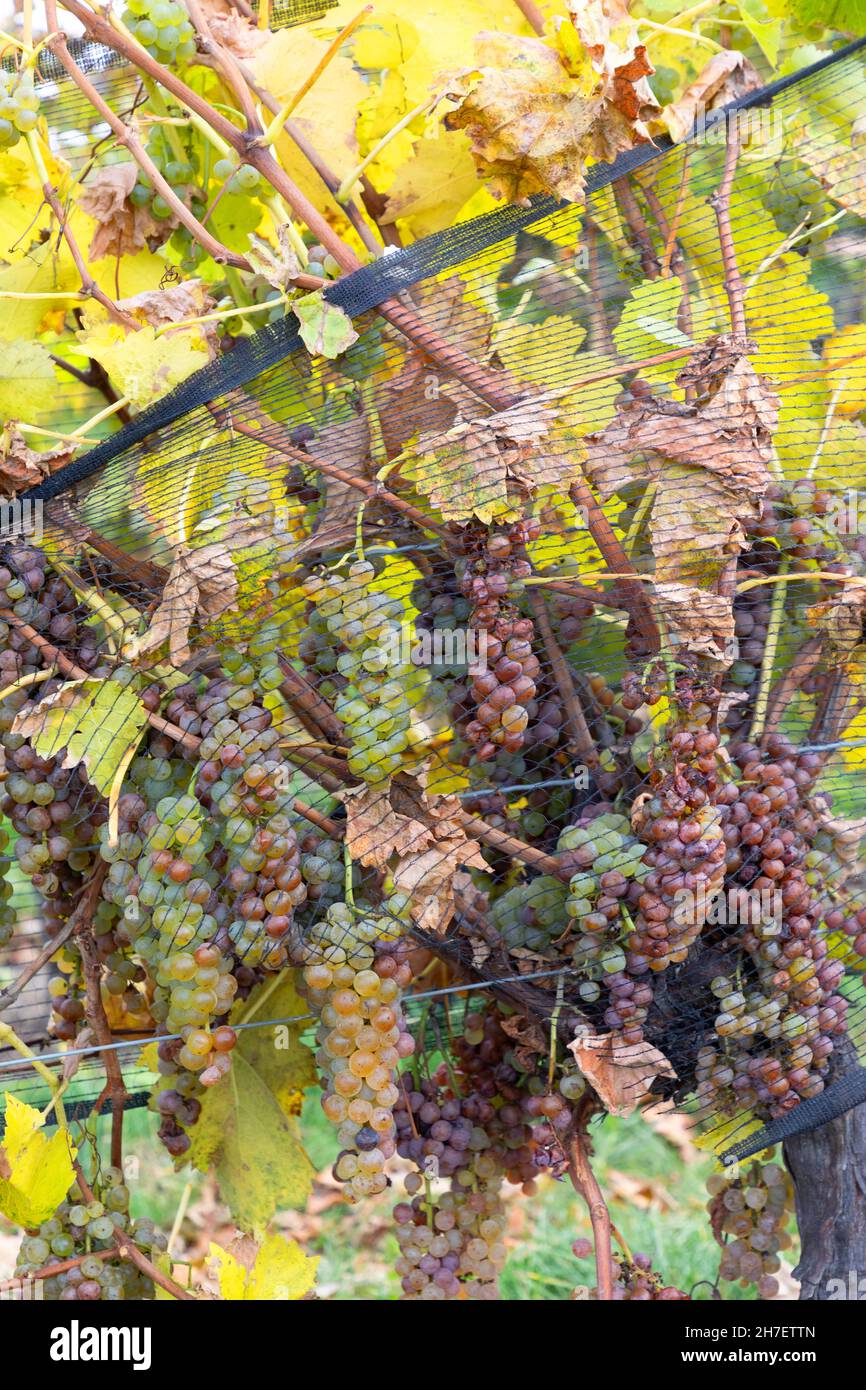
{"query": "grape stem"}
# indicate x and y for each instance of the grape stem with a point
(51, 1271)
(771, 644)
(83, 911)
(356, 174)
(95, 1014)
(721, 202)
(586, 1185)
(532, 14)
(581, 737)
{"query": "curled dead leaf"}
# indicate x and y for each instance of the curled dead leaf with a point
(621, 1073)
(528, 1033)
(727, 76)
(479, 467)
(702, 621)
(22, 467)
(202, 582)
(121, 227)
(279, 265)
(425, 837)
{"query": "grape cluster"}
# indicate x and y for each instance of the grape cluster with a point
(531, 914)
(19, 106)
(610, 860)
(376, 704)
(452, 1246)
(793, 196)
(751, 619)
(680, 825)
(361, 1036)
(162, 27)
(472, 1128)
(321, 866)
(798, 517)
(636, 1281)
(83, 1231)
(753, 1209)
(152, 878)
(776, 1022)
(54, 812)
(179, 166)
(504, 681)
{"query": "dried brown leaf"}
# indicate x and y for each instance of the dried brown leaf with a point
(348, 445)
(621, 1073)
(425, 837)
(708, 463)
(279, 265)
(527, 120)
(175, 304)
(727, 76)
(475, 467)
(375, 831)
(202, 582)
(22, 467)
(121, 228)
(839, 620)
(702, 621)
(536, 113)
(527, 1032)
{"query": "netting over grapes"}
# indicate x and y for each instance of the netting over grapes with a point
(526, 630)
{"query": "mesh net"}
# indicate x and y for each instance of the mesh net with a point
(543, 595)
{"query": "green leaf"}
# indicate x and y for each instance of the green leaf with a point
(28, 385)
(766, 32)
(847, 15)
(248, 1126)
(325, 329)
(648, 323)
(96, 721)
(233, 219)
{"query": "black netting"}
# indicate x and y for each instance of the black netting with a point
(288, 563)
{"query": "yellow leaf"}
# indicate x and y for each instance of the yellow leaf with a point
(847, 378)
(384, 41)
(725, 1133)
(282, 1272)
(433, 184)
(40, 1169)
(326, 115)
(460, 21)
(542, 353)
(28, 384)
(141, 365)
(231, 1274)
(248, 1124)
(21, 218)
